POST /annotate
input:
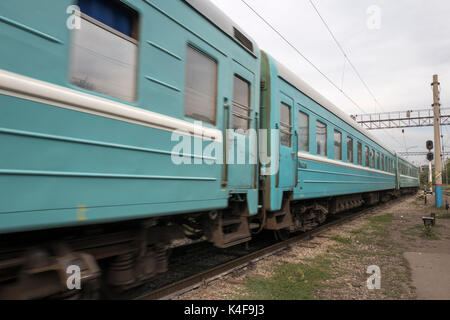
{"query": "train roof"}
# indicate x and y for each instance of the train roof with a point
(228, 26)
(224, 23)
(296, 81)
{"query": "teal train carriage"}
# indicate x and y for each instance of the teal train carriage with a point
(115, 119)
(93, 105)
(328, 164)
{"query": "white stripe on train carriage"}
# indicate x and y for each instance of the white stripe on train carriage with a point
(19, 86)
(311, 157)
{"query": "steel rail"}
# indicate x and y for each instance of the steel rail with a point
(195, 281)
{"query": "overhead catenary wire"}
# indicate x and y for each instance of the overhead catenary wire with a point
(351, 65)
(345, 55)
(310, 62)
(304, 57)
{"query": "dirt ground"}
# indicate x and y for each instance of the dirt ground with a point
(334, 265)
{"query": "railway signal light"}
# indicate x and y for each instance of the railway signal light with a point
(430, 156)
(429, 145)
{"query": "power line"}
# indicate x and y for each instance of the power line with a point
(351, 64)
(345, 55)
(310, 62)
(303, 56)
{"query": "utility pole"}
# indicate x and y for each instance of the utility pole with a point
(437, 141)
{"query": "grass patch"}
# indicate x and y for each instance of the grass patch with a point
(341, 239)
(290, 281)
(328, 274)
(421, 231)
(443, 216)
(429, 233)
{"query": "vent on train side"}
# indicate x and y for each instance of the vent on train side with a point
(246, 42)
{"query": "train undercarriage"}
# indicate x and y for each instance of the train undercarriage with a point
(100, 261)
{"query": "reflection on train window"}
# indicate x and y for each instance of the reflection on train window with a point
(349, 149)
(303, 132)
(241, 104)
(200, 96)
(104, 51)
(359, 153)
(367, 157)
(286, 127)
(337, 145)
(372, 159)
(321, 138)
(378, 160)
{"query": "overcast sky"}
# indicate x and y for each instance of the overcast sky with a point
(397, 61)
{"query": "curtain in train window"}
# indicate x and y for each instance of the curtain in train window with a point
(200, 96)
(321, 138)
(111, 13)
(303, 132)
(286, 126)
(104, 51)
(337, 145)
(241, 104)
(360, 153)
(367, 156)
(372, 159)
(378, 160)
(349, 149)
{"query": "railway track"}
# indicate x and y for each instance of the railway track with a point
(201, 278)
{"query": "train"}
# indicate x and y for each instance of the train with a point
(97, 96)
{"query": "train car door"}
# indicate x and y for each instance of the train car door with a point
(241, 139)
(288, 152)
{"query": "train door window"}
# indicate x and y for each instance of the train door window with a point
(285, 125)
(200, 96)
(303, 132)
(367, 157)
(378, 160)
(349, 149)
(337, 145)
(359, 153)
(241, 104)
(104, 50)
(321, 138)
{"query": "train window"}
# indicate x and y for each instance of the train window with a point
(104, 50)
(359, 149)
(367, 156)
(378, 160)
(246, 42)
(337, 145)
(303, 132)
(372, 158)
(286, 126)
(241, 104)
(386, 163)
(382, 162)
(321, 138)
(349, 149)
(200, 96)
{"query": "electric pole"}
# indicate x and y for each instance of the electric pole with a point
(437, 141)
